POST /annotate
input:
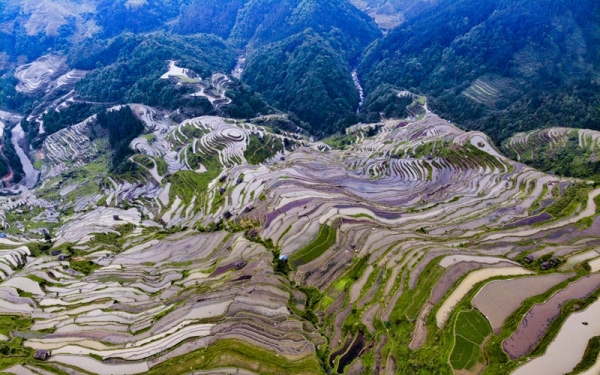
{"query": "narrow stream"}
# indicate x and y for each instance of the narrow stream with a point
(31, 174)
(361, 92)
(239, 67)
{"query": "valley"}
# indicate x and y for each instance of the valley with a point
(299, 187)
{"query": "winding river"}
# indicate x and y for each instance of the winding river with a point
(31, 174)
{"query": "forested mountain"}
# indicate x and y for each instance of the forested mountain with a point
(500, 66)
(497, 65)
(304, 74)
(307, 72)
(129, 67)
(298, 51)
(391, 13)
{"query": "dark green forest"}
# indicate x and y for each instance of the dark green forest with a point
(539, 57)
(304, 75)
(122, 126)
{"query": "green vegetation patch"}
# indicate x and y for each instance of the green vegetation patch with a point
(325, 239)
(339, 141)
(564, 157)
(569, 201)
(112, 241)
(144, 160)
(192, 131)
(85, 267)
(473, 326)
(260, 149)
(187, 184)
(354, 274)
(413, 300)
(589, 357)
(470, 330)
(234, 353)
(13, 351)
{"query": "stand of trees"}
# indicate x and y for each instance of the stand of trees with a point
(122, 126)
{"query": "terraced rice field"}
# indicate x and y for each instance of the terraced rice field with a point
(497, 300)
(487, 90)
(538, 319)
(565, 352)
(402, 253)
(38, 75)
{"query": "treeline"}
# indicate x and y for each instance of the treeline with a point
(245, 102)
(73, 114)
(122, 126)
(544, 50)
(11, 100)
(385, 100)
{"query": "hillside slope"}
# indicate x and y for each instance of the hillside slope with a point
(499, 66)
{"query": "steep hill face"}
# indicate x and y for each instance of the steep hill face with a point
(299, 55)
(222, 245)
(497, 66)
(112, 38)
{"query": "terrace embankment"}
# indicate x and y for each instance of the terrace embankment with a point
(566, 350)
(537, 321)
(498, 299)
(233, 245)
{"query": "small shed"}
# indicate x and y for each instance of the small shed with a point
(227, 215)
(116, 217)
(55, 253)
(42, 355)
(529, 258)
(63, 257)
